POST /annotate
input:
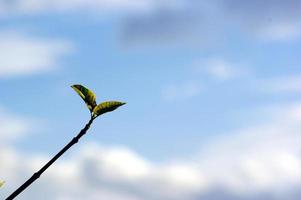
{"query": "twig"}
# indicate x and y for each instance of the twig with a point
(37, 175)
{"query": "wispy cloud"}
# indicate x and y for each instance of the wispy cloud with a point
(181, 91)
(281, 32)
(282, 84)
(12, 126)
(22, 54)
(36, 7)
(202, 22)
(220, 69)
(178, 21)
(269, 20)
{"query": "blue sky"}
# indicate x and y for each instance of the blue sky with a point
(212, 91)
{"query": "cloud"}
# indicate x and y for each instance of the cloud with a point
(210, 23)
(220, 69)
(272, 20)
(281, 32)
(12, 126)
(283, 84)
(181, 22)
(93, 172)
(100, 172)
(22, 54)
(181, 91)
(177, 23)
(36, 7)
(259, 162)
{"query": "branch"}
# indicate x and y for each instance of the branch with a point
(37, 175)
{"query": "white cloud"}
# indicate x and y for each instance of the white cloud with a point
(33, 7)
(265, 158)
(13, 127)
(221, 70)
(281, 32)
(180, 91)
(290, 83)
(123, 163)
(22, 54)
(97, 172)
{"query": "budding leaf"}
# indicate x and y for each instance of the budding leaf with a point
(87, 95)
(105, 107)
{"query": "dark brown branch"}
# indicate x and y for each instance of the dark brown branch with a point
(36, 175)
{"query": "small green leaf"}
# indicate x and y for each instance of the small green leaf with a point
(2, 183)
(105, 107)
(87, 95)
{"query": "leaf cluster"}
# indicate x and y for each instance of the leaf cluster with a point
(89, 98)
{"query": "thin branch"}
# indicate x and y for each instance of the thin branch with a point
(36, 175)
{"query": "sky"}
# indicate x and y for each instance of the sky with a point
(213, 92)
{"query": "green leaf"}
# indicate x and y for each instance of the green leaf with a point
(87, 95)
(2, 183)
(105, 107)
